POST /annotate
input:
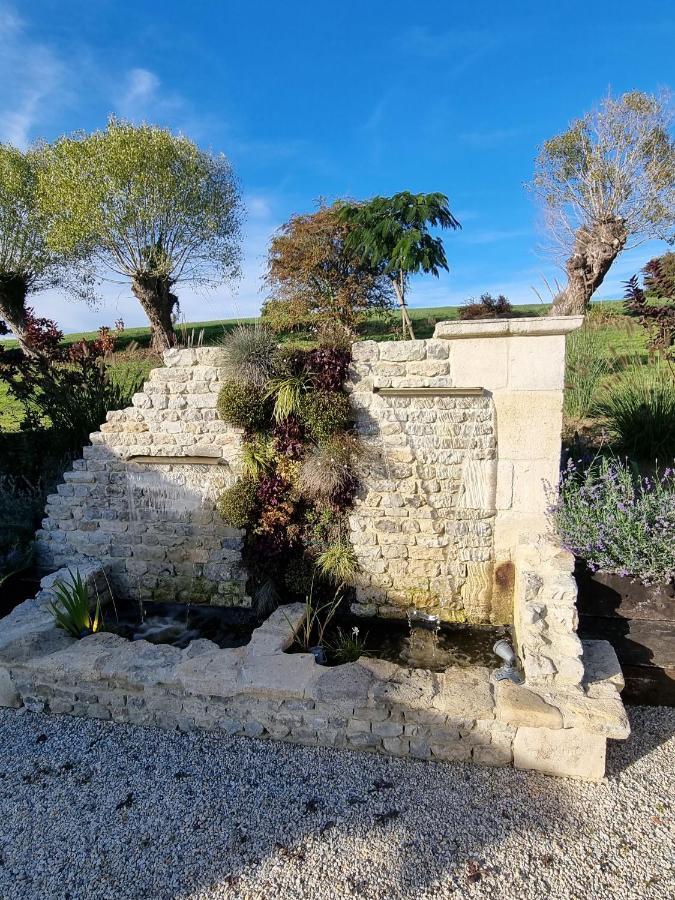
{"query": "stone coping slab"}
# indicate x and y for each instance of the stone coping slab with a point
(527, 326)
(260, 690)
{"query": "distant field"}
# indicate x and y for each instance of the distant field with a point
(620, 338)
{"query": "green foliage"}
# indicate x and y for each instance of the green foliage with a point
(144, 200)
(257, 457)
(324, 413)
(393, 232)
(347, 646)
(237, 504)
(250, 353)
(618, 522)
(586, 367)
(640, 411)
(316, 619)
(338, 563)
(243, 405)
(288, 392)
(72, 611)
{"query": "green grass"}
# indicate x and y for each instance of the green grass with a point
(616, 335)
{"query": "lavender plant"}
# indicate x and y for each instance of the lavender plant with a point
(617, 521)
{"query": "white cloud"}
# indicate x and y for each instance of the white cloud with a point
(31, 82)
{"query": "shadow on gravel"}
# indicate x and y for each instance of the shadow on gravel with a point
(98, 810)
(647, 733)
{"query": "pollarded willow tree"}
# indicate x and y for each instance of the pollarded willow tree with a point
(27, 264)
(147, 205)
(392, 234)
(606, 184)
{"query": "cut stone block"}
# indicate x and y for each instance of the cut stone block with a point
(568, 752)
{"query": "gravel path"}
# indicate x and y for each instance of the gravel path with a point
(93, 810)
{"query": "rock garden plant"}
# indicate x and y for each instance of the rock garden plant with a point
(298, 478)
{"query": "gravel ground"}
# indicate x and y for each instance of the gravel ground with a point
(93, 810)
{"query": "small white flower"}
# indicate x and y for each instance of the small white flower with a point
(355, 631)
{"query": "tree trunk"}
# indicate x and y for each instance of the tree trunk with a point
(13, 289)
(154, 295)
(406, 321)
(595, 249)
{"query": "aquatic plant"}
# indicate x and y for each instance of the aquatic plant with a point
(316, 618)
(72, 611)
(347, 646)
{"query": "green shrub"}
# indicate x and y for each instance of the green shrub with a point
(640, 412)
(325, 412)
(243, 405)
(257, 457)
(250, 352)
(618, 522)
(299, 575)
(237, 504)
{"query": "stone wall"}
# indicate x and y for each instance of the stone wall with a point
(261, 691)
(155, 526)
(462, 434)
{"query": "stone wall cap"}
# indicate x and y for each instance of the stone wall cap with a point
(488, 328)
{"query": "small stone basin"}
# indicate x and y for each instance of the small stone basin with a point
(417, 646)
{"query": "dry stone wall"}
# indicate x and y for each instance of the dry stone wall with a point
(463, 437)
(155, 526)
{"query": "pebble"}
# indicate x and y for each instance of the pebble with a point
(94, 810)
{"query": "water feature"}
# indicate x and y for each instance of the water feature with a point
(418, 644)
(177, 624)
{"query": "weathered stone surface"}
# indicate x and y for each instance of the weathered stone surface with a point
(569, 752)
(516, 705)
(464, 693)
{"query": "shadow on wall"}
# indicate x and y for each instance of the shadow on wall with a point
(154, 526)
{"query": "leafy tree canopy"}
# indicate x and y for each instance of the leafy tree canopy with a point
(315, 279)
(147, 204)
(393, 233)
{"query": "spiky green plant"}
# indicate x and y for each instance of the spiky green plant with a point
(17, 560)
(316, 618)
(640, 412)
(586, 366)
(288, 392)
(338, 562)
(250, 353)
(74, 614)
(348, 646)
(257, 457)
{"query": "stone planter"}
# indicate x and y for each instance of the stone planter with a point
(639, 622)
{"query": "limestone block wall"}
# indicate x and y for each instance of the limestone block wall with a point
(463, 435)
(155, 526)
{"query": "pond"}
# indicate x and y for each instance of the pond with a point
(178, 624)
(428, 646)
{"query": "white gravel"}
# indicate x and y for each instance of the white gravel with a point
(94, 810)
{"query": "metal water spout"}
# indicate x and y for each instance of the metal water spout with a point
(507, 672)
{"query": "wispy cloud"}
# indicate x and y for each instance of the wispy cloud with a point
(458, 49)
(31, 81)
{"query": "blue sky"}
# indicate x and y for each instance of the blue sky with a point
(314, 99)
